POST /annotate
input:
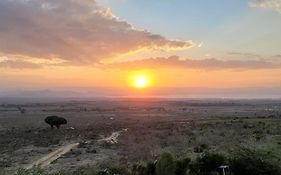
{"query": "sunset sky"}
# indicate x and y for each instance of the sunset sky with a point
(141, 47)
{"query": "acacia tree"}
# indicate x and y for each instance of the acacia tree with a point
(55, 121)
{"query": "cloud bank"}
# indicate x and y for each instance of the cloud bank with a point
(72, 30)
(204, 64)
(272, 4)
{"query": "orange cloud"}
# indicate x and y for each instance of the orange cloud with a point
(76, 31)
(19, 64)
(205, 64)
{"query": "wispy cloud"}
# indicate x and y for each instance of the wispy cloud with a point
(245, 55)
(23, 62)
(72, 30)
(204, 64)
(272, 4)
(19, 64)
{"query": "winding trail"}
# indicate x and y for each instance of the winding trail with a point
(113, 138)
(51, 157)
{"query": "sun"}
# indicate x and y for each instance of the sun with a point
(140, 81)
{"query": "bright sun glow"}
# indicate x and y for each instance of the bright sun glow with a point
(140, 81)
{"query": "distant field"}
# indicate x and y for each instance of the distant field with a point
(147, 128)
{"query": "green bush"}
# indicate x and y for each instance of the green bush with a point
(200, 148)
(182, 166)
(166, 165)
(140, 169)
(150, 168)
(251, 162)
(207, 164)
(119, 170)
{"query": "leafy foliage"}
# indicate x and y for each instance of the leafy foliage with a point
(207, 163)
(251, 162)
(149, 169)
(166, 165)
(182, 166)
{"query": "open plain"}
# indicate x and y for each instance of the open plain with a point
(124, 131)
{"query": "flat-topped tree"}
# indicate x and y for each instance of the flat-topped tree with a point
(55, 121)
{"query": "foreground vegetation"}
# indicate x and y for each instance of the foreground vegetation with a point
(241, 162)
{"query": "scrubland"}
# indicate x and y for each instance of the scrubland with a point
(126, 135)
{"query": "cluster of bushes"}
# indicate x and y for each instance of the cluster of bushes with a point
(242, 162)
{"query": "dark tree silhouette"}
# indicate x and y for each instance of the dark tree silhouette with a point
(55, 121)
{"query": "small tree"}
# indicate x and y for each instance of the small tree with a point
(55, 121)
(166, 165)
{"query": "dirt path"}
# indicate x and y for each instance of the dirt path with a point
(51, 157)
(113, 138)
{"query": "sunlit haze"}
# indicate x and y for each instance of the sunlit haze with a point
(178, 48)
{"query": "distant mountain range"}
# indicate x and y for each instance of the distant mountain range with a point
(40, 94)
(150, 92)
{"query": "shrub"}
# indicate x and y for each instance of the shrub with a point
(150, 168)
(166, 165)
(55, 121)
(207, 164)
(251, 162)
(182, 166)
(118, 170)
(200, 148)
(139, 169)
(32, 171)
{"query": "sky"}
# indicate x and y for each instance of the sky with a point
(181, 47)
